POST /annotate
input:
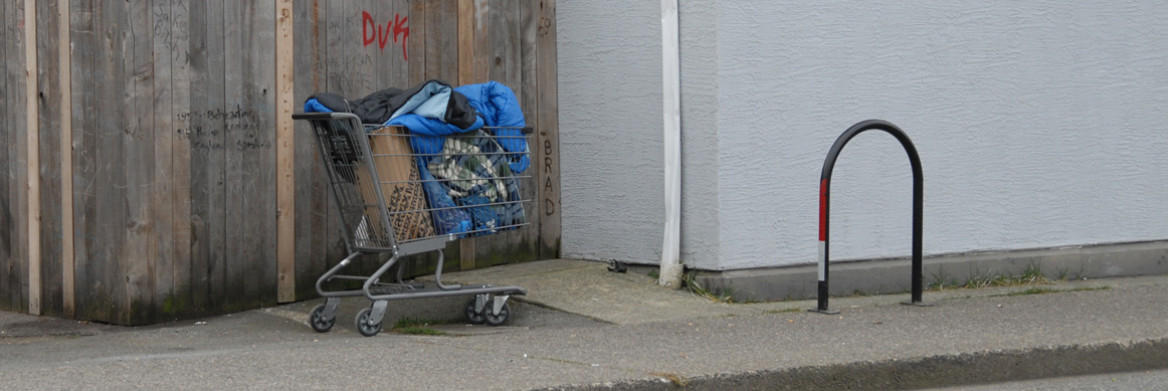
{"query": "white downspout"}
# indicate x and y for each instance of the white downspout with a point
(671, 269)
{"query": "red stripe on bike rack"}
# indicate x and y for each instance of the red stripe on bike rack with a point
(823, 210)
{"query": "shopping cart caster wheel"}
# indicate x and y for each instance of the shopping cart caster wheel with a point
(318, 322)
(501, 318)
(473, 316)
(363, 325)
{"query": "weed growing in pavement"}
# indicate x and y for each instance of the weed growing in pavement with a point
(941, 280)
(1030, 277)
(416, 327)
(689, 281)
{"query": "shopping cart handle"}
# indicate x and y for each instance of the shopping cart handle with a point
(338, 115)
(323, 116)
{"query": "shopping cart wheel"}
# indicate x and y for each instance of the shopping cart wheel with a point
(501, 318)
(363, 325)
(318, 322)
(472, 315)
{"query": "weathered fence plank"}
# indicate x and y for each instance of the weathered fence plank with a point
(177, 303)
(65, 154)
(49, 145)
(84, 44)
(105, 290)
(32, 158)
(418, 15)
(7, 150)
(235, 177)
(440, 35)
(528, 88)
(140, 259)
(162, 207)
(285, 154)
(547, 148)
(316, 238)
(13, 208)
(258, 153)
(208, 198)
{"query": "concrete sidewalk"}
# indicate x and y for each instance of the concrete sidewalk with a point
(582, 327)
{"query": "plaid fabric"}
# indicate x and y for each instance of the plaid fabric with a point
(467, 171)
(511, 211)
(475, 172)
(447, 218)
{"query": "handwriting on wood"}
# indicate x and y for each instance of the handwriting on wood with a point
(549, 202)
(210, 128)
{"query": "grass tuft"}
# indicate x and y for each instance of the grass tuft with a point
(1032, 276)
(689, 280)
(416, 327)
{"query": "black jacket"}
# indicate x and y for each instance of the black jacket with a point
(376, 108)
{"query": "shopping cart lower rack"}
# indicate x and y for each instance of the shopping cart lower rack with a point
(401, 194)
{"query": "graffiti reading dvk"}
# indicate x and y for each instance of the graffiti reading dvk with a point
(372, 32)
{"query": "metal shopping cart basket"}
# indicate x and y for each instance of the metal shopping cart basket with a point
(401, 194)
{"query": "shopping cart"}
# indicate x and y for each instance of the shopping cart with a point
(401, 194)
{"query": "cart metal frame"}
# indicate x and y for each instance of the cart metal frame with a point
(344, 146)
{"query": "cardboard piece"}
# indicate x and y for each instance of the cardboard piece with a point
(400, 184)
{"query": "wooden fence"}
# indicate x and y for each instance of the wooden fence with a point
(152, 168)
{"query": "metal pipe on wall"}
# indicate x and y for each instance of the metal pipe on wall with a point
(671, 268)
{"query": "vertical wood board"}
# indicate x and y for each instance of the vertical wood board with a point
(32, 158)
(205, 132)
(285, 153)
(528, 90)
(14, 261)
(258, 154)
(313, 207)
(163, 186)
(178, 302)
(139, 251)
(65, 154)
(83, 46)
(105, 289)
(548, 144)
(48, 74)
(7, 200)
(236, 218)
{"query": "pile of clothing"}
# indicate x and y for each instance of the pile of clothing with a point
(468, 146)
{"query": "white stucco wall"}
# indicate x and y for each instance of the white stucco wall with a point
(611, 131)
(1039, 124)
(611, 155)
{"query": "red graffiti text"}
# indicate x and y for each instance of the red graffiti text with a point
(372, 32)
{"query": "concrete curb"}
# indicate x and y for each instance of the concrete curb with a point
(928, 372)
(887, 276)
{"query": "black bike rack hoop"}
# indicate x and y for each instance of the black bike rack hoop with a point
(824, 207)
